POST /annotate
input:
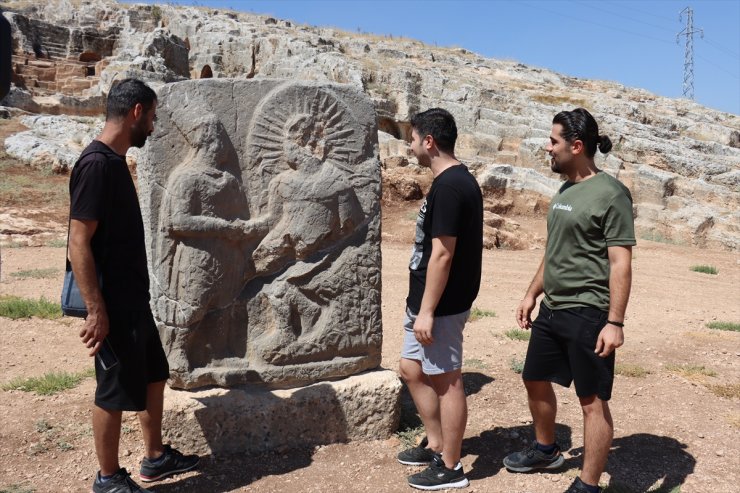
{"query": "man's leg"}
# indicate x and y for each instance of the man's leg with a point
(107, 432)
(425, 399)
(453, 411)
(598, 431)
(151, 419)
(544, 407)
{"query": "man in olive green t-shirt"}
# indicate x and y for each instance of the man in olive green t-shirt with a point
(586, 276)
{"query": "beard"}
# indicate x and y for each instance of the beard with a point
(555, 166)
(139, 134)
(424, 161)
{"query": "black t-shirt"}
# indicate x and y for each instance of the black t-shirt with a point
(101, 189)
(453, 207)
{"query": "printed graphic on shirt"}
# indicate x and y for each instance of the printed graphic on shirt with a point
(418, 249)
(563, 207)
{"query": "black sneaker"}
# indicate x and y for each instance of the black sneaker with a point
(533, 458)
(577, 486)
(438, 477)
(417, 456)
(173, 463)
(121, 482)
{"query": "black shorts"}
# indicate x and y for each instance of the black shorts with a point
(141, 360)
(561, 350)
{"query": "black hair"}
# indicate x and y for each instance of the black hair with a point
(125, 95)
(580, 125)
(438, 123)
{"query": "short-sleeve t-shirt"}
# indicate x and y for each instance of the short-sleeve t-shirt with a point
(584, 219)
(453, 207)
(101, 189)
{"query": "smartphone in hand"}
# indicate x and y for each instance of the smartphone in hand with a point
(106, 356)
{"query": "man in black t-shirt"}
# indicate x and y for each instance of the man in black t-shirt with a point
(108, 258)
(445, 273)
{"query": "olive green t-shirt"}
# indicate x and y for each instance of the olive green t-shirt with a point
(584, 219)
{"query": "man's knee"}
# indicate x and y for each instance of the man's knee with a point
(449, 382)
(538, 388)
(410, 370)
(593, 406)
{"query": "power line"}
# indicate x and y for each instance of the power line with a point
(645, 12)
(620, 14)
(722, 48)
(539, 8)
(718, 66)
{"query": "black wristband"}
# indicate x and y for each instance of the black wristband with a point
(618, 324)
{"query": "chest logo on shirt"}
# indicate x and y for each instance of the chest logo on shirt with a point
(562, 207)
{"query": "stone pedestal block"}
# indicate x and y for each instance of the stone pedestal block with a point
(252, 419)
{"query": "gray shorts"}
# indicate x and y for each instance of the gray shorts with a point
(445, 353)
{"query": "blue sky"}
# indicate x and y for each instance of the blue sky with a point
(628, 41)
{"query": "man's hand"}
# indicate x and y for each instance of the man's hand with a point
(95, 330)
(523, 312)
(423, 328)
(610, 338)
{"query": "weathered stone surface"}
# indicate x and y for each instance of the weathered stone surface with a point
(504, 109)
(253, 419)
(400, 184)
(261, 204)
(52, 142)
(504, 176)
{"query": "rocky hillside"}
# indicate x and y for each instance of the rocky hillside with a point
(680, 159)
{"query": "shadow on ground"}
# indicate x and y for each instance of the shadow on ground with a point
(637, 462)
(492, 446)
(220, 474)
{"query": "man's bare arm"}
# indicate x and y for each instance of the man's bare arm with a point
(83, 266)
(536, 287)
(620, 284)
(438, 271)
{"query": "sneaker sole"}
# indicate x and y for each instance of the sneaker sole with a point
(553, 465)
(463, 483)
(149, 479)
(410, 463)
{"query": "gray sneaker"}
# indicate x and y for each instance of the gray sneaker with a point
(417, 456)
(174, 462)
(577, 486)
(121, 482)
(533, 458)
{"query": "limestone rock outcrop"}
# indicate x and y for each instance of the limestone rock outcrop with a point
(503, 108)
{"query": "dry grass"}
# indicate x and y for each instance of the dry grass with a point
(726, 390)
(728, 326)
(518, 334)
(631, 370)
(688, 370)
(478, 313)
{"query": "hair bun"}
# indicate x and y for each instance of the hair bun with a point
(605, 144)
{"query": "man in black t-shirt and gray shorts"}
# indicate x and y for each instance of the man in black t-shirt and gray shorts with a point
(445, 273)
(108, 257)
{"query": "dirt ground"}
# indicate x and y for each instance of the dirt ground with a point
(672, 430)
